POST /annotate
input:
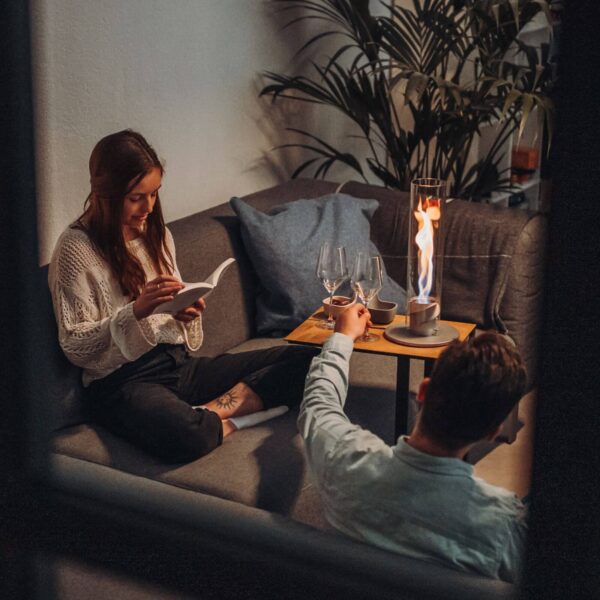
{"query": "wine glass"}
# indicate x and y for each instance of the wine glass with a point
(332, 270)
(366, 281)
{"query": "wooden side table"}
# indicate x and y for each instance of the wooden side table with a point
(311, 334)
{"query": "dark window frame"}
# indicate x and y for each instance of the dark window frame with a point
(45, 509)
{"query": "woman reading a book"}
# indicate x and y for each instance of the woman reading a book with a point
(143, 379)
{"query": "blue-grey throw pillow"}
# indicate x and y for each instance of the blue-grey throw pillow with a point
(284, 244)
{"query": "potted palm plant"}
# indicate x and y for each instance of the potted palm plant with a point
(420, 83)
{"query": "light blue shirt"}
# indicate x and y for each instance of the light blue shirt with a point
(399, 498)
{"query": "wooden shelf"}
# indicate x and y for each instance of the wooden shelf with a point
(537, 32)
(530, 188)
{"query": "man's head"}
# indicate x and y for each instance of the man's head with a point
(473, 387)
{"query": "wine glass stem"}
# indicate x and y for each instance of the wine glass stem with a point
(329, 314)
(366, 331)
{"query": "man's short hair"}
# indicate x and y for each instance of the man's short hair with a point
(474, 386)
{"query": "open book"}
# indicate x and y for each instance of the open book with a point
(193, 291)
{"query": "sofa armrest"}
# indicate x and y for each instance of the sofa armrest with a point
(521, 304)
(493, 272)
(493, 257)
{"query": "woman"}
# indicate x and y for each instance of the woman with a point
(110, 269)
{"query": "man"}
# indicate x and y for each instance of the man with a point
(419, 498)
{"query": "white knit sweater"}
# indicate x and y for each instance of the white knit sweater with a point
(97, 329)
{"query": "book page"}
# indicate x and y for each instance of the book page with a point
(214, 277)
(193, 291)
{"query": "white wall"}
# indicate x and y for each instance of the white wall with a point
(183, 73)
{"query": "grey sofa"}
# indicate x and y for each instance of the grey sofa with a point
(258, 476)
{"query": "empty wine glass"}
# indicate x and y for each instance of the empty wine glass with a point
(332, 271)
(366, 281)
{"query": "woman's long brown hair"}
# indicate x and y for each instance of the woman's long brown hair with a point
(117, 164)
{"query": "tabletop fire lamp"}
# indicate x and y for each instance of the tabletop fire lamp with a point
(424, 269)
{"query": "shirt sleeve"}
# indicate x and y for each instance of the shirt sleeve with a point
(193, 333)
(513, 555)
(322, 421)
(92, 333)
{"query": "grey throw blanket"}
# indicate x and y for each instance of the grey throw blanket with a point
(478, 250)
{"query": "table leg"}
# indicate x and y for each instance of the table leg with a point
(402, 395)
(428, 367)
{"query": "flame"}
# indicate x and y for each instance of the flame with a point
(427, 220)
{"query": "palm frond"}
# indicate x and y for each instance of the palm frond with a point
(329, 155)
(456, 65)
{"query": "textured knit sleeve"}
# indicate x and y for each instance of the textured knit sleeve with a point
(192, 331)
(97, 329)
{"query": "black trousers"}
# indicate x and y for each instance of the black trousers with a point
(150, 401)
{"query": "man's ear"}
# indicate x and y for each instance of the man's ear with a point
(422, 389)
(494, 434)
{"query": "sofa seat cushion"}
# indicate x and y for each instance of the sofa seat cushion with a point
(262, 466)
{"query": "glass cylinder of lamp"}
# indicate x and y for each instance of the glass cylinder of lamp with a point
(425, 254)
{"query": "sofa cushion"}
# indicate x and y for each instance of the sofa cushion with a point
(62, 379)
(283, 246)
(262, 466)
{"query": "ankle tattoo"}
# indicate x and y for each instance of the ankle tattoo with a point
(227, 400)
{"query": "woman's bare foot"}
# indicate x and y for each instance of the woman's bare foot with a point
(238, 401)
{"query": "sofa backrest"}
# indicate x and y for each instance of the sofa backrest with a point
(64, 388)
(493, 263)
(207, 238)
(203, 241)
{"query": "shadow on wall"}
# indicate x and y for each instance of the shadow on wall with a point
(272, 121)
(279, 160)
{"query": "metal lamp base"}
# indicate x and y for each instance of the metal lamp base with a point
(400, 334)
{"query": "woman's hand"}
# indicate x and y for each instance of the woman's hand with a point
(161, 289)
(191, 312)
